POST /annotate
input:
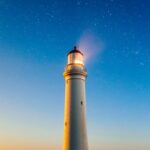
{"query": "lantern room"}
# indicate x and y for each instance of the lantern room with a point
(75, 57)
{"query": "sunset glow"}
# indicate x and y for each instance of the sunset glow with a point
(112, 39)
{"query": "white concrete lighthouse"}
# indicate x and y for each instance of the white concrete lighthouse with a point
(75, 132)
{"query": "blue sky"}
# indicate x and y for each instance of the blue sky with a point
(35, 37)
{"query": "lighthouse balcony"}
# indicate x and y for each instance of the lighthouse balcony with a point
(75, 69)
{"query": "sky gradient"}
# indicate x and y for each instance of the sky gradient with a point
(35, 37)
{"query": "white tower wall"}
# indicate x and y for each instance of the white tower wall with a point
(75, 132)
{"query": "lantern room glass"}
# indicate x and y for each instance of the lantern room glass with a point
(75, 58)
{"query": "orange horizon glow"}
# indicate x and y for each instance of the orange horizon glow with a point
(12, 144)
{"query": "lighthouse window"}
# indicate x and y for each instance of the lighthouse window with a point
(65, 123)
(81, 103)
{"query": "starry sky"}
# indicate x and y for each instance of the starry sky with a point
(35, 37)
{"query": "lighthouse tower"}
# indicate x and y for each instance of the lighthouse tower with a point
(75, 132)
